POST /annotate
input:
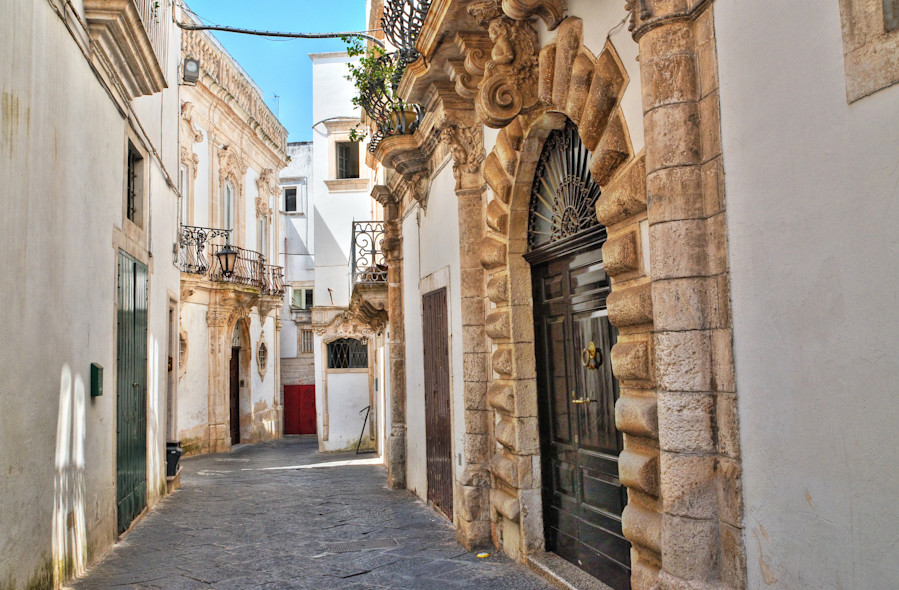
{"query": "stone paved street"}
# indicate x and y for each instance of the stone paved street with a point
(271, 516)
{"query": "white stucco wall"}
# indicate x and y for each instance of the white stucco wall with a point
(347, 391)
(63, 183)
(812, 186)
(431, 259)
(193, 410)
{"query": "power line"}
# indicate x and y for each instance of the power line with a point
(360, 34)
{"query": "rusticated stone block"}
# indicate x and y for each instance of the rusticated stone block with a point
(690, 547)
(493, 253)
(502, 361)
(672, 194)
(728, 425)
(630, 307)
(630, 361)
(498, 288)
(625, 195)
(504, 467)
(669, 80)
(710, 129)
(547, 68)
(685, 304)
(672, 39)
(639, 470)
(729, 483)
(473, 311)
(637, 416)
(501, 396)
(504, 432)
(688, 485)
(642, 527)
(472, 502)
(498, 326)
(579, 88)
(507, 155)
(621, 255)
(683, 361)
(474, 395)
(474, 367)
(644, 576)
(568, 45)
(477, 447)
(678, 249)
(686, 422)
(497, 217)
(531, 522)
(613, 150)
(608, 81)
(672, 136)
(733, 556)
(473, 534)
(505, 504)
(477, 421)
(515, 133)
(497, 179)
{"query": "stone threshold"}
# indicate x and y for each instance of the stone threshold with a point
(563, 573)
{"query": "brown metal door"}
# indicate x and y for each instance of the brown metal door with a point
(582, 496)
(235, 396)
(438, 436)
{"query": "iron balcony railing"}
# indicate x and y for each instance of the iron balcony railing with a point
(154, 16)
(197, 256)
(402, 22)
(368, 264)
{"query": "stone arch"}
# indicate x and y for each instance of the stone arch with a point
(586, 88)
(241, 325)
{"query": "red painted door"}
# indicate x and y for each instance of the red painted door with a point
(299, 409)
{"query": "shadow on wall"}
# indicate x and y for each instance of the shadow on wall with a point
(69, 527)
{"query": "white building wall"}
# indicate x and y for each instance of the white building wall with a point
(811, 186)
(62, 199)
(193, 410)
(432, 260)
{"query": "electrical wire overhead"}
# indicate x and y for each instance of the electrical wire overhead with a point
(360, 34)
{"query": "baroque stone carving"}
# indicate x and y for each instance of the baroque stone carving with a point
(217, 318)
(636, 7)
(466, 146)
(509, 87)
(187, 117)
(551, 11)
(232, 165)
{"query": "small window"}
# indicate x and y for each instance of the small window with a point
(134, 188)
(290, 200)
(347, 159)
(302, 298)
(347, 353)
(306, 341)
(262, 237)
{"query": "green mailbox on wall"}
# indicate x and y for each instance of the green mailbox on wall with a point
(96, 380)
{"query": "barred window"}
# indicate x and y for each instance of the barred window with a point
(306, 344)
(347, 353)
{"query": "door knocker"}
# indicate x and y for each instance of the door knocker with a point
(591, 358)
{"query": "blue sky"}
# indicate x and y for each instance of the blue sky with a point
(283, 67)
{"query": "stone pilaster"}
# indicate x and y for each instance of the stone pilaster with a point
(700, 468)
(218, 321)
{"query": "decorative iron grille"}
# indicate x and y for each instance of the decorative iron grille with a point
(347, 353)
(192, 254)
(402, 22)
(369, 265)
(564, 194)
(249, 269)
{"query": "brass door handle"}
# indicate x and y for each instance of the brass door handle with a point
(582, 400)
(591, 358)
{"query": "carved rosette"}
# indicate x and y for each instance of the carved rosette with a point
(509, 86)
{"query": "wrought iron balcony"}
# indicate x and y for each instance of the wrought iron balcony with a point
(389, 113)
(402, 22)
(197, 256)
(367, 260)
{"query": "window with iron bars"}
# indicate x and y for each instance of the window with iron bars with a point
(306, 342)
(347, 353)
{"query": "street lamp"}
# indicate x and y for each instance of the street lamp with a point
(227, 259)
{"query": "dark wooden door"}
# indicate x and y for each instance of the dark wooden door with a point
(235, 395)
(438, 434)
(582, 496)
(299, 409)
(131, 390)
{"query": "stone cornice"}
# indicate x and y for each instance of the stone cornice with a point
(220, 71)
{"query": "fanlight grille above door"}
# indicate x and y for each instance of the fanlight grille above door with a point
(564, 194)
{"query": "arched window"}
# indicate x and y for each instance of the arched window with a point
(564, 194)
(347, 353)
(228, 206)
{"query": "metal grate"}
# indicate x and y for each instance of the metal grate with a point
(348, 546)
(347, 353)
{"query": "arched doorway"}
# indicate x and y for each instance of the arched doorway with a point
(582, 495)
(234, 385)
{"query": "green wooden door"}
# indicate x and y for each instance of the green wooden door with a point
(131, 390)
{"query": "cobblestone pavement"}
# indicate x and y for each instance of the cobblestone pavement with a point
(271, 516)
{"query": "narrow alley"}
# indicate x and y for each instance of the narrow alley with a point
(280, 515)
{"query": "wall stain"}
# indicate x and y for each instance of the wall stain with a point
(767, 572)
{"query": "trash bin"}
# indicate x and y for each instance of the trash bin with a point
(173, 452)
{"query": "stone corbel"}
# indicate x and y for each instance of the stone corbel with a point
(467, 73)
(466, 145)
(509, 86)
(187, 116)
(551, 11)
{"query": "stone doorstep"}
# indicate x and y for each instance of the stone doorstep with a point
(563, 573)
(174, 482)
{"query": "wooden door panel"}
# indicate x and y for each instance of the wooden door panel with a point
(438, 421)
